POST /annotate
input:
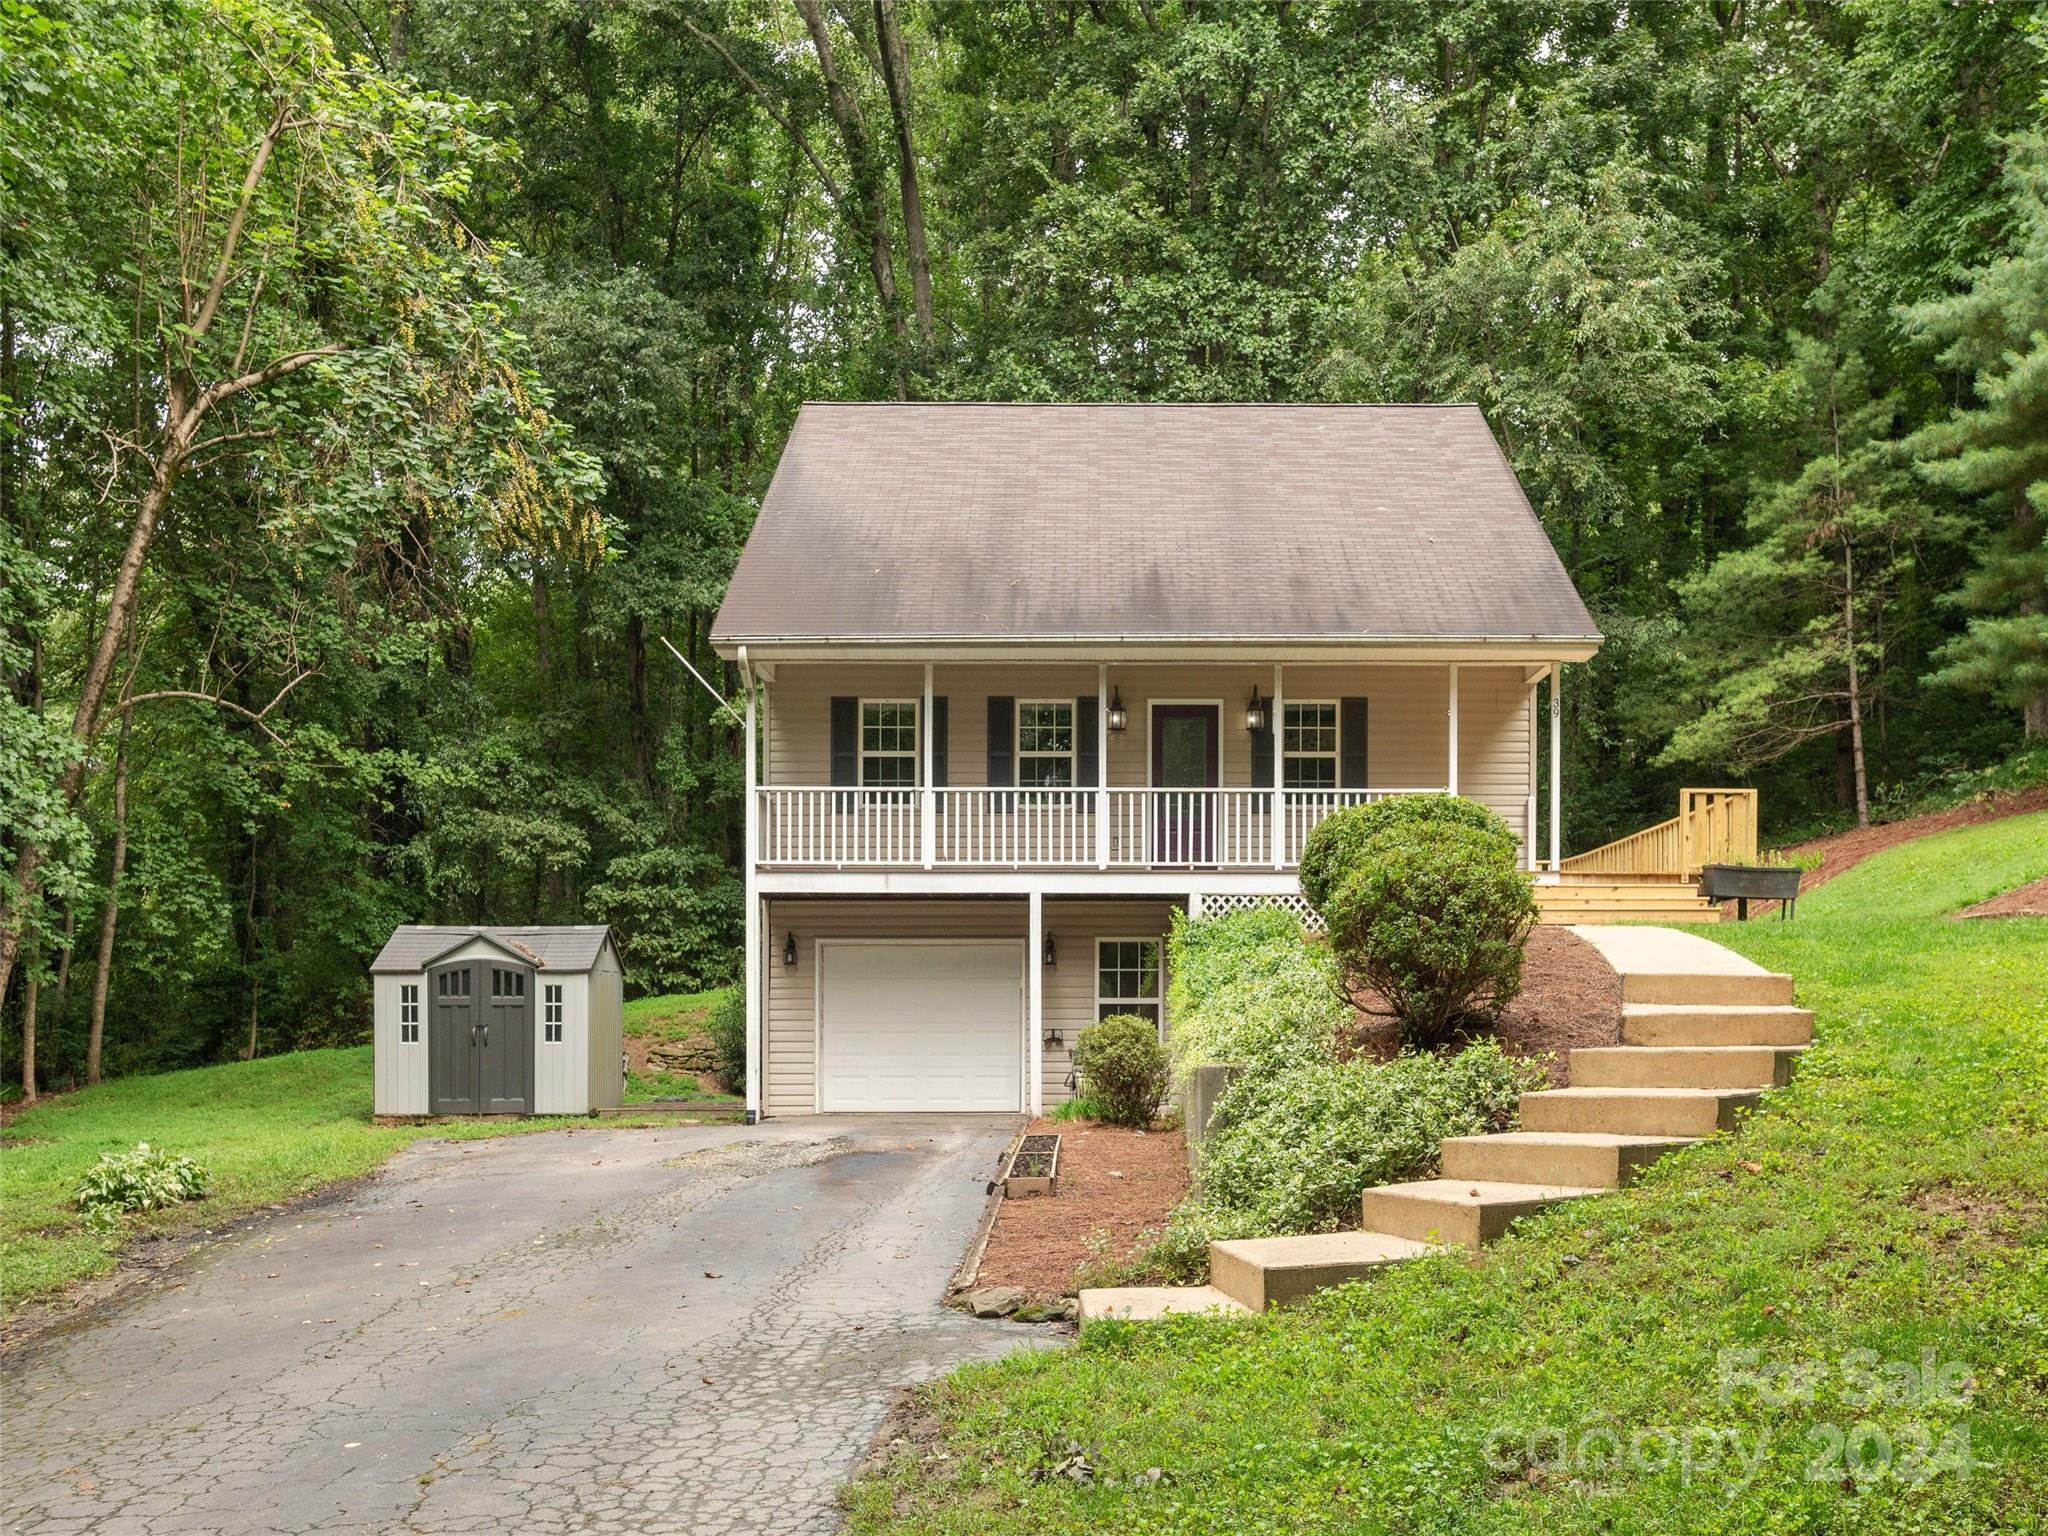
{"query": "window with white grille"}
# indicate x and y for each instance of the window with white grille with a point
(551, 1013)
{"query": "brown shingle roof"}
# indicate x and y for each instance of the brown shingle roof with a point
(1146, 522)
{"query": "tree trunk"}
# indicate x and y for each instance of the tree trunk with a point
(895, 60)
(636, 697)
(64, 956)
(541, 676)
(31, 985)
(1855, 689)
(249, 953)
(96, 1029)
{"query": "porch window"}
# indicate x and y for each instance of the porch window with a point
(1045, 743)
(1308, 745)
(1127, 978)
(888, 743)
(409, 1014)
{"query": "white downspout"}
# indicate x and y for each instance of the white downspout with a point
(1556, 770)
(751, 855)
(1034, 1012)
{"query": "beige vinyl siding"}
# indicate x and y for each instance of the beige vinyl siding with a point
(790, 1024)
(1407, 718)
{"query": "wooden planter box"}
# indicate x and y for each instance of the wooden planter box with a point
(1744, 883)
(1034, 1168)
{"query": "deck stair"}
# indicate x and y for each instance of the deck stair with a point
(1623, 900)
(1705, 1034)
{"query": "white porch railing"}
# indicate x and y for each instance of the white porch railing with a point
(975, 827)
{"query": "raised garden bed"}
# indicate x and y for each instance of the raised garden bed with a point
(1034, 1168)
(1744, 883)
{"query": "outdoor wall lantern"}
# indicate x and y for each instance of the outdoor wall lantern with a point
(1117, 718)
(1055, 1041)
(789, 950)
(1255, 712)
(1052, 958)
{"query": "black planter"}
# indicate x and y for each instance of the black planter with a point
(1744, 883)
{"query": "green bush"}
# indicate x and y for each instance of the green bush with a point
(1245, 987)
(1291, 1151)
(726, 1024)
(1337, 843)
(143, 1180)
(1123, 1068)
(1433, 915)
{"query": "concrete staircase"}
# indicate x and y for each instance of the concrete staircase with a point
(1705, 1033)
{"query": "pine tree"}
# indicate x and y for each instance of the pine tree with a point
(1996, 448)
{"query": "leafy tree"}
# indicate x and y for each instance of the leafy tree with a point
(1996, 448)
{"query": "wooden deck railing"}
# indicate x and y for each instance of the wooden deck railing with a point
(1713, 826)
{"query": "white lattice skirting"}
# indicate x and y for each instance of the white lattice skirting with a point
(1217, 905)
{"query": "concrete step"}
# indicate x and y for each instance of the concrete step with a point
(1262, 1272)
(1585, 1160)
(1637, 1111)
(1148, 1303)
(1458, 1210)
(1756, 989)
(1714, 1024)
(1683, 1066)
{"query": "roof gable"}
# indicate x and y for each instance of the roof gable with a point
(561, 950)
(1000, 522)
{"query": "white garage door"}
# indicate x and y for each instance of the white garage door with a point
(920, 1026)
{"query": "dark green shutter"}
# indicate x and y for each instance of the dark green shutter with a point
(845, 748)
(1351, 761)
(939, 742)
(1087, 746)
(1002, 749)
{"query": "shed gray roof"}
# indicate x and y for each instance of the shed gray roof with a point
(413, 946)
(1146, 522)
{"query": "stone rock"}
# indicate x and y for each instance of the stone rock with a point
(994, 1300)
(1040, 1312)
(682, 1056)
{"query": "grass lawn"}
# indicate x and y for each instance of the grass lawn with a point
(1596, 1371)
(264, 1130)
(676, 1016)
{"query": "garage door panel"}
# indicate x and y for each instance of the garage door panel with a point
(920, 1026)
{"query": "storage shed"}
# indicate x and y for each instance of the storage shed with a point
(498, 1021)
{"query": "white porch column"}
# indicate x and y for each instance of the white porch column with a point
(1278, 723)
(1034, 1009)
(1451, 776)
(752, 960)
(1529, 811)
(1102, 766)
(1556, 769)
(928, 822)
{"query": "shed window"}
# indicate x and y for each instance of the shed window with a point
(409, 1013)
(1308, 745)
(1045, 743)
(452, 984)
(507, 983)
(551, 1013)
(888, 743)
(1127, 978)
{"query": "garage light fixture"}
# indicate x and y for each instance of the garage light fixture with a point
(1052, 957)
(789, 950)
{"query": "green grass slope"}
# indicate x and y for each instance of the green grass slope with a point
(1599, 1371)
(264, 1130)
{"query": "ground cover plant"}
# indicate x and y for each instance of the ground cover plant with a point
(1243, 987)
(1696, 1354)
(264, 1131)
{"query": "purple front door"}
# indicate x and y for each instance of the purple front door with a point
(1185, 745)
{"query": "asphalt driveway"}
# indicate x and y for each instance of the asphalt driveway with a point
(693, 1329)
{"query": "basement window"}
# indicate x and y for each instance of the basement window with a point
(551, 1013)
(409, 1014)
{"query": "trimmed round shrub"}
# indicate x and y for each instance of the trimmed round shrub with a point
(1433, 915)
(1123, 1068)
(1335, 844)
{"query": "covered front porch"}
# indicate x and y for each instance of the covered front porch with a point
(1219, 765)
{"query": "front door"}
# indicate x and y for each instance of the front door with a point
(480, 1038)
(1185, 741)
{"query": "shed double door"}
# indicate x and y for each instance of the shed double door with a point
(480, 1033)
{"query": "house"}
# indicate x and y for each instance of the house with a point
(1024, 678)
(498, 1021)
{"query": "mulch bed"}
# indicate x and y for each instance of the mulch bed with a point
(2030, 900)
(1570, 997)
(1039, 1241)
